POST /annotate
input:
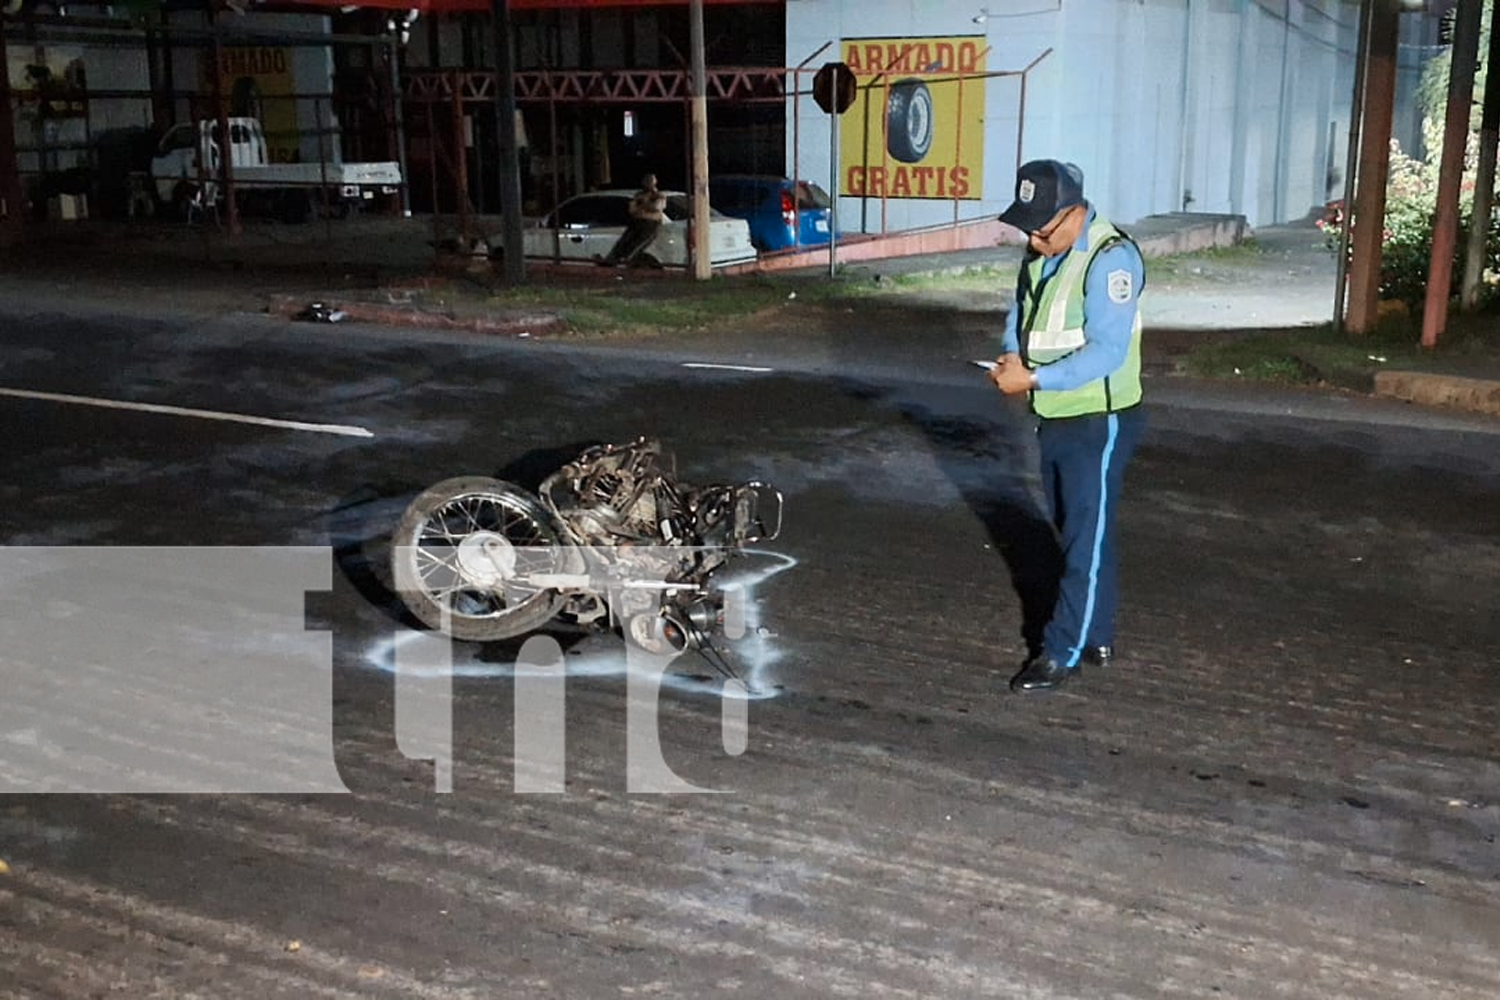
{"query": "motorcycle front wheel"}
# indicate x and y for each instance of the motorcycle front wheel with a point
(463, 552)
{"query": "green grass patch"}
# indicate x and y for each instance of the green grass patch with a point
(979, 279)
(656, 305)
(1317, 355)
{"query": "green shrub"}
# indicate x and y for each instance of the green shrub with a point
(1411, 203)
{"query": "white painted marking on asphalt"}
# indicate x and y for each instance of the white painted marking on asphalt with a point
(604, 655)
(727, 368)
(183, 411)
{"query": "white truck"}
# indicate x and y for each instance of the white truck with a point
(186, 172)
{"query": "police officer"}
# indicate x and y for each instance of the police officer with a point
(1072, 344)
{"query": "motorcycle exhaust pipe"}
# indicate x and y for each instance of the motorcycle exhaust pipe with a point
(675, 628)
(688, 626)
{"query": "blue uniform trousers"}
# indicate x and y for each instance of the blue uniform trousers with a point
(1083, 471)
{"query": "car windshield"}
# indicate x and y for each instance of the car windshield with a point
(809, 195)
(680, 208)
(177, 137)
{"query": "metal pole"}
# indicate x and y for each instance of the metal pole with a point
(864, 157)
(430, 106)
(885, 152)
(460, 162)
(1282, 116)
(702, 264)
(168, 77)
(325, 199)
(833, 185)
(1484, 179)
(958, 137)
(509, 167)
(1451, 171)
(1184, 109)
(1351, 165)
(796, 95)
(554, 160)
(1021, 109)
(398, 122)
(325, 196)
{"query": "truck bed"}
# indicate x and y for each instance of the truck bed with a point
(313, 174)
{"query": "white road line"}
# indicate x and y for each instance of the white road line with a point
(727, 368)
(182, 411)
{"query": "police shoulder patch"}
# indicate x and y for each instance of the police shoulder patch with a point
(1121, 286)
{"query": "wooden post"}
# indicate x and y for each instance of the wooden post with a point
(1451, 171)
(221, 117)
(1484, 177)
(702, 262)
(1368, 211)
(509, 167)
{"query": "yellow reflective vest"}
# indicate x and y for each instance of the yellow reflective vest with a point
(1051, 327)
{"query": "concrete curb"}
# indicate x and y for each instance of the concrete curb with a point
(1157, 236)
(393, 314)
(1456, 392)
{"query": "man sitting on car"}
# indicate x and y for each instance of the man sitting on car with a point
(647, 210)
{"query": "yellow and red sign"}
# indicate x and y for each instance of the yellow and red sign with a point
(257, 80)
(916, 128)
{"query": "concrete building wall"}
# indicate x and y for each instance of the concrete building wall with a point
(1235, 106)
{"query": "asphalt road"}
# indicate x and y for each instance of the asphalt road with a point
(1287, 788)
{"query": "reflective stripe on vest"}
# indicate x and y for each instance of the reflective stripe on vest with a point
(1060, 306)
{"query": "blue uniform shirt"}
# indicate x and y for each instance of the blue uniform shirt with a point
(1107, 324)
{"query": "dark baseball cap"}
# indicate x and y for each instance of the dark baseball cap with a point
(1043, 188)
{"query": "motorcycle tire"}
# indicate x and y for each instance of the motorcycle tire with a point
(458, 550)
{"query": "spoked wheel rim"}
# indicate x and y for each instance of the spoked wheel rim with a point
(466, 559)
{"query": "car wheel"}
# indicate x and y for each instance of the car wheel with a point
(908, 118)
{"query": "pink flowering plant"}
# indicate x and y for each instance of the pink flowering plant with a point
(1410, 204)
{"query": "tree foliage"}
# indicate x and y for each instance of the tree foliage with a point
(1411, 193)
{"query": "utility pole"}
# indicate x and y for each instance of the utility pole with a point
(1484, 179)
(702, 263)
(224, 142)
(1368, 211)
(508, 173)
(1451, 171)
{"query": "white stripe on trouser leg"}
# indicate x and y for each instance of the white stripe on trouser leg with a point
(1101, 519)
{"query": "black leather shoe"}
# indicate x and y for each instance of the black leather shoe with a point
(1042, 674)
(1099, 656)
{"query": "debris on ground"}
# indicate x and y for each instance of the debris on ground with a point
(320, 312)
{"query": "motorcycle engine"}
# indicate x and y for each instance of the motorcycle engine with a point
(617, 496)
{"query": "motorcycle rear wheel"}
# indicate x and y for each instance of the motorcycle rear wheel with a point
(460, 553)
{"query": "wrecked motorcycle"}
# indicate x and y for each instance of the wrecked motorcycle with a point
(611, 539)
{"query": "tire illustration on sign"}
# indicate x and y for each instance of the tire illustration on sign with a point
(908, 120)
